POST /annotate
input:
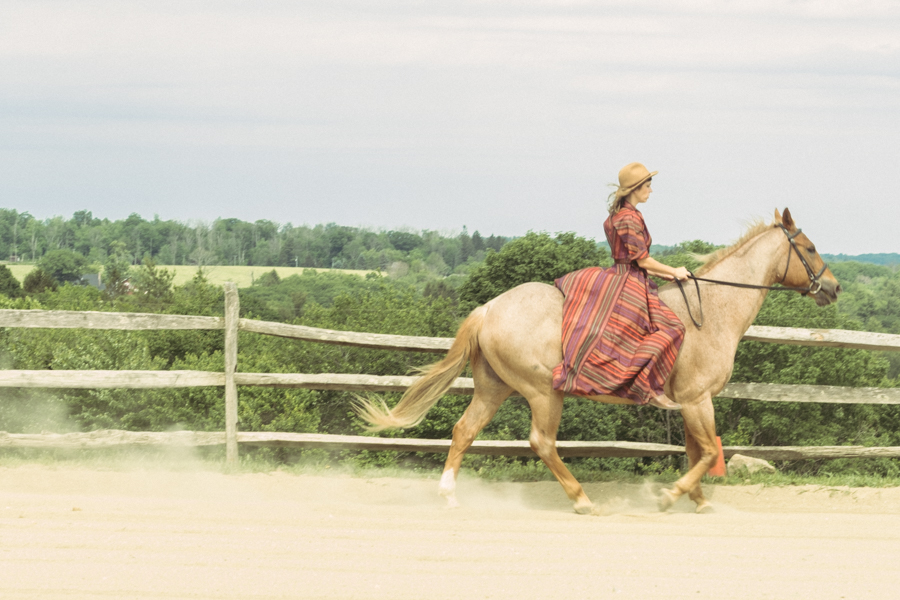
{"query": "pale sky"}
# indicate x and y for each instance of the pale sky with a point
(501, 116)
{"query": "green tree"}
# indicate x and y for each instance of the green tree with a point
(534, 257)
(9, 285)
(196, 297)
(686, 254)
(268, 279)
(139, 410)
(39, 280)
(117, 272)
(153, 285)
(439, 288)
(404, 241)
(65, 266)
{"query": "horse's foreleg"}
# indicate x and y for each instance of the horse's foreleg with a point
(490, 392)
(694, 453)
(546, 412)
(702, 451)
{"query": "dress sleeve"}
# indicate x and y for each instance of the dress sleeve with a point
(630, 229)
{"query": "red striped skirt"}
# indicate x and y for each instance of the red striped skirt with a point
(618, 337)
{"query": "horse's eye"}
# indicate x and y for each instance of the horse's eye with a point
(812, 249)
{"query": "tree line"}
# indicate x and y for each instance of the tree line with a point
(235, 242)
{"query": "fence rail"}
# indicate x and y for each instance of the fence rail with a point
(109, 438)
(231, 378)
(766, 392)
(74, 319)
(69, 319)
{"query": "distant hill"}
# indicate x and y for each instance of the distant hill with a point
(877, 259)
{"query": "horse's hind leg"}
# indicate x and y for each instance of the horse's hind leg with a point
(546, 412)
(490, 392)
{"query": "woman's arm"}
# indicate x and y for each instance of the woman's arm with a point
(657, 269)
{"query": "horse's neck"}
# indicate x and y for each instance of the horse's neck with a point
(756, 262)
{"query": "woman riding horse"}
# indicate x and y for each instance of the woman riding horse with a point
(619, 339)
(513, 346)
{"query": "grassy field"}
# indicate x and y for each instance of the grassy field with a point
(242, 276)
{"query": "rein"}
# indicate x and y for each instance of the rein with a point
(814, 287)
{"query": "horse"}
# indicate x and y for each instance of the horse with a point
(515, 340)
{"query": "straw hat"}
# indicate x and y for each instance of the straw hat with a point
(632, 176)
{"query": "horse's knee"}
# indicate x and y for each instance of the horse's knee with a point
(708, 456)
(541, 445)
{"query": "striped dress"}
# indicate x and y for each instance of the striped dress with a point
(618, 337)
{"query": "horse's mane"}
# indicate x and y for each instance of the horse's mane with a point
(713, 258)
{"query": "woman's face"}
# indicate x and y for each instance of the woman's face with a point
(641, 194)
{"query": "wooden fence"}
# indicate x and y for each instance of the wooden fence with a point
(230, 379)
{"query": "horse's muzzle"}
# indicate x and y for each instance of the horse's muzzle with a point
(828, 293)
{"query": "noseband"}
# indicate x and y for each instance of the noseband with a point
(814, 287)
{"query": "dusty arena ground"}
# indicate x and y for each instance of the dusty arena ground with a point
(88, 533)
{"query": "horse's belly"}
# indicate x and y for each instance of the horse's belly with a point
(608, 399)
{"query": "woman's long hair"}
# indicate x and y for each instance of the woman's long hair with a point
(615, 200)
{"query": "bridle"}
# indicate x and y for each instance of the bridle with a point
(814, 287)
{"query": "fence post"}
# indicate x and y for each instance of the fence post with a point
(232, 307)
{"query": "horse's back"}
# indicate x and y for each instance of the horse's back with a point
(527, 304)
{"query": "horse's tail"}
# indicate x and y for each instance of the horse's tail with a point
(436, 380)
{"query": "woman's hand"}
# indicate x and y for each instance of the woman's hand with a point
(680, 273)
(657, 269)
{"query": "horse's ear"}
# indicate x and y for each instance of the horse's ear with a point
(788, 222)
(777, 217)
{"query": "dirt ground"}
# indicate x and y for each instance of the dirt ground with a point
(89, 533)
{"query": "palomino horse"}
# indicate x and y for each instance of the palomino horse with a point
(514, 342)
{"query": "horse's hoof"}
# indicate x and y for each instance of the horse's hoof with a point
(447, 488)
(584, 507)
(666, 499)
(705, 508)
